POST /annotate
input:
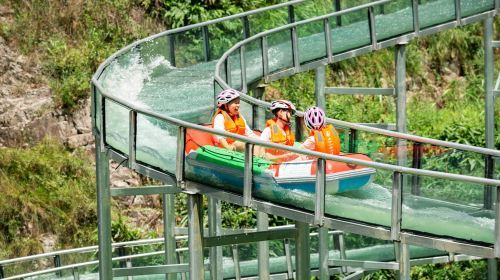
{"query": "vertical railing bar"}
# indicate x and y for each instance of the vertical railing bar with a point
(328, 39)
(236, 262)
(458, 12)
(76, 274)
(416, 20)
(132, 139)
(180, 259)
(342, 250)
(497, 224)
(180, 157)
(57, 263)
(248, 175)
(246, 27)
(489, 104)
(371, 24)
(396, 205)
(102, 132)
(338, 8)
(404, 261)
(416, 163)
(171, 43)
(298, 128)
(243, 71)
(323, 253)
(288, 256)
(295, 50)
(488, 190)
(265, 56)
(229, 78)
(319, 207)
(128, 264)
(353, 139)
(2, 273)
(206, 43)
(291, 14)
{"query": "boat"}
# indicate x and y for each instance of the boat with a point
(206, 162)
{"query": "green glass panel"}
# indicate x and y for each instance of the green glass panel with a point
(434, 12)
(279, 51)
(472, 7)
(352, 34)
(393, 19)
(154, 50)
(235, 66)
(313, 8)
(253, 57)
(224, 35)
(116, 126)
(312, 43)
(189, 47)
(267, 20)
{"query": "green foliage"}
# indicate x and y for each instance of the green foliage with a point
(45, 189)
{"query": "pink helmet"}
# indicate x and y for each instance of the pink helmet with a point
(314, 118)
(282, 104)
(227, 96)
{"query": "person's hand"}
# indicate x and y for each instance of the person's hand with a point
(231, 147)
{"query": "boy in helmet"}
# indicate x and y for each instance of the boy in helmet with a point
(228, 118)
(322, 138)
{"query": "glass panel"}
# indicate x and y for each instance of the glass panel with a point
(117, 126)
(434, 12)
(353, 33)
(280, 50)
(444, 208)
(471, 7)
(253, 57)
(313, 8)
(155, 50)
(267, 20)
(224, 35)
(189, 47)
(156, 143)
(235, 67)
(312, 43)
(394, 18)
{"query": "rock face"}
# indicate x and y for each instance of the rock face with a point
(27, 110)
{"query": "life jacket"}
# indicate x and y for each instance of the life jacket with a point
(327, 140)
(231, 124)
(279, 136)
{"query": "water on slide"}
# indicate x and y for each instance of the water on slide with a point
(146, 78)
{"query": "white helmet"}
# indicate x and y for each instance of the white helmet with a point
(227, 96)
(282, 104)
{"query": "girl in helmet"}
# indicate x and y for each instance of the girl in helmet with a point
(278, 129)
(322, 138)
(228, 118)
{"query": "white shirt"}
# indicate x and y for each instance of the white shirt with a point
(219, 125)
(309, 144)
(266, 134)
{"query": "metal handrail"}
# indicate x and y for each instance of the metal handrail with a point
(384, 166)
(399, 135)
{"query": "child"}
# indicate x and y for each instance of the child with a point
(322, 138)
(278, 129)
(228, 118)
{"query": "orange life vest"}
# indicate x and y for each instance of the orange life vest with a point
(231, 124)
(327, 140)
(279, 136)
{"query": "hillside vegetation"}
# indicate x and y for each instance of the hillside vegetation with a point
(49, 190)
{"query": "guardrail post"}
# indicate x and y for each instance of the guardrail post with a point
(76, 274)
(288, 257)
(2, 274)
(103, 213)
(215, 229)
(132, 139)
(353, 141)
(57, 263)
(319, 206)
(291, 14)
(263, 253)
(195, 236)
(328, 39)
(371, 26)
(489, 106)
(248, 175)
(180, 156)
(319, 86)
(323, 253)
(206, 43)
(458, 12)
(122, 252)
(246, 27)
(416, 21)
(169, 231)
(302, 251)
(404, 261)
(416, 163)
(338, 8)
(243, 66)
(236, 262)
(401, 117)
(396, 206)
(171, 43)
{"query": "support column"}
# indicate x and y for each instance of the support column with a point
(263, 257)
(302, 251)
(215, 229)
(489, 106)
(323, 254)
(195, 237)
(319, 86)
(404, 261)
(103, 213)
(400, 88)
(169, 231)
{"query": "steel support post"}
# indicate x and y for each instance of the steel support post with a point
(168, 231)
(492, 269)
(396, 207)
(263, 254)
(489, 106)
(195, 237)
(215, 229)
(404, 261)
(338, 8)
(103, 213)
(400, 88)
(319, 86)
(302, 251)
(171, 48)
(206, 43)
(416, 163)
(323, 253)
(319, 205)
